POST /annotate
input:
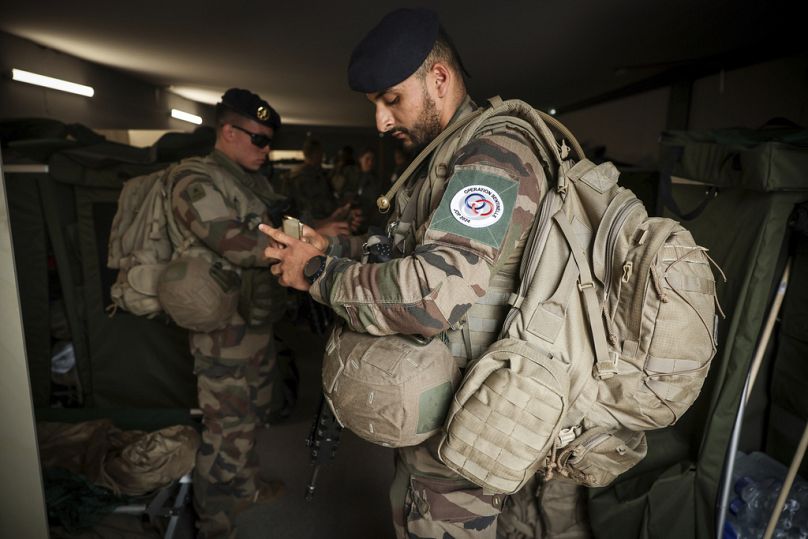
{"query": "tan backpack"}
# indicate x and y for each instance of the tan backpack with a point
(139, 246)
(610, 333)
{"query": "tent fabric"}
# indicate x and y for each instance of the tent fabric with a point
(98, 166)
(60, 218)
(134, 361)
(29, 237)
(790, 376)
(177, 146)
(674, 491)
(122, 362)
(760, 160)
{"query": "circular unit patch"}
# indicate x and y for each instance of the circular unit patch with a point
(477, 206)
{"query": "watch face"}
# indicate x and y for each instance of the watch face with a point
(313, 267)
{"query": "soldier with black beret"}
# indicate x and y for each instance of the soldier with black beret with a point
(218, 288)
(457, 229)
(249, 105)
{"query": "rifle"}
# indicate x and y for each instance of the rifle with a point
(323, 441)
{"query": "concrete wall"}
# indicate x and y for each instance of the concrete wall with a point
(752, 96)
(629, 128)
(123, 102)
(745, 97)
(120, 100)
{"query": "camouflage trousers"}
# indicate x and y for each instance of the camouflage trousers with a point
(554, 509)
(234, 389)
(430, 501)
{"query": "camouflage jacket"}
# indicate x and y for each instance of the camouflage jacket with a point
(472, 227)
(217, 213)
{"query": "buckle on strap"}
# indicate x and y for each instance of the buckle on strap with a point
(607, 369)
(566, 436)
(584, 286)
(515, 300)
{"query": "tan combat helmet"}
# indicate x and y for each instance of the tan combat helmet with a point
(198, 295)
(391, 391)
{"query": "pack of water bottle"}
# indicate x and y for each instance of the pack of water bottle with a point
(756, 484)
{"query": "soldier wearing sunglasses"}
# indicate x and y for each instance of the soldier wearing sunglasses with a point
(217, 205)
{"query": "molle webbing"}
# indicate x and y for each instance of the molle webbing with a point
(482, 321)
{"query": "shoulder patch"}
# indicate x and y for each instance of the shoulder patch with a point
(208, 203)
(195, 192)
(477, 205)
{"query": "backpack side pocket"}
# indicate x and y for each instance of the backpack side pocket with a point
(505, 416)
(599, 455)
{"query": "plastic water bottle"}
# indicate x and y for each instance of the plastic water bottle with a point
(749, 509)
(758, 482)
(743, 519)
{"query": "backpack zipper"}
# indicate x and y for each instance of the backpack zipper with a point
(580, 450)
(614, 230)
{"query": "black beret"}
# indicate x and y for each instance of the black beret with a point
(250, 105)
(393, 50)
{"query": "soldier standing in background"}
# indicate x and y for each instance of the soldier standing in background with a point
(344, 171)
(444, 272)
(367, 189)
(217, 287)
(310, 188)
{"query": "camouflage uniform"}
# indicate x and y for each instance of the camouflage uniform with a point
(441, 270)
(309, 187)
(216, 218)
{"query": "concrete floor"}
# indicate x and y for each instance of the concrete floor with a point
(351, 498)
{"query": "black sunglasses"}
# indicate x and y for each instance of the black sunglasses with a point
(262, 141)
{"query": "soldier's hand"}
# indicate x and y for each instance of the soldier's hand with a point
(355, 219)
(292, 256)
(318, 238)
(341, 213)
(329, 227)
(350, 215)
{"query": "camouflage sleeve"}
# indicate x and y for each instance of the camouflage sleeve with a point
(486, 211)
(346, 246)
(206, 213)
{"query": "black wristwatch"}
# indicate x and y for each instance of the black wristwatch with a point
(314, 268)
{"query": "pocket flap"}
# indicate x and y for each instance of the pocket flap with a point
(599, 455)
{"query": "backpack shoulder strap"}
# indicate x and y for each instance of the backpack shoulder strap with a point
(384, 201)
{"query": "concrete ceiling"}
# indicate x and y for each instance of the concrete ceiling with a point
(551, 53)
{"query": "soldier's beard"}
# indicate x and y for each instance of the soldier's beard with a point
(426, 127)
